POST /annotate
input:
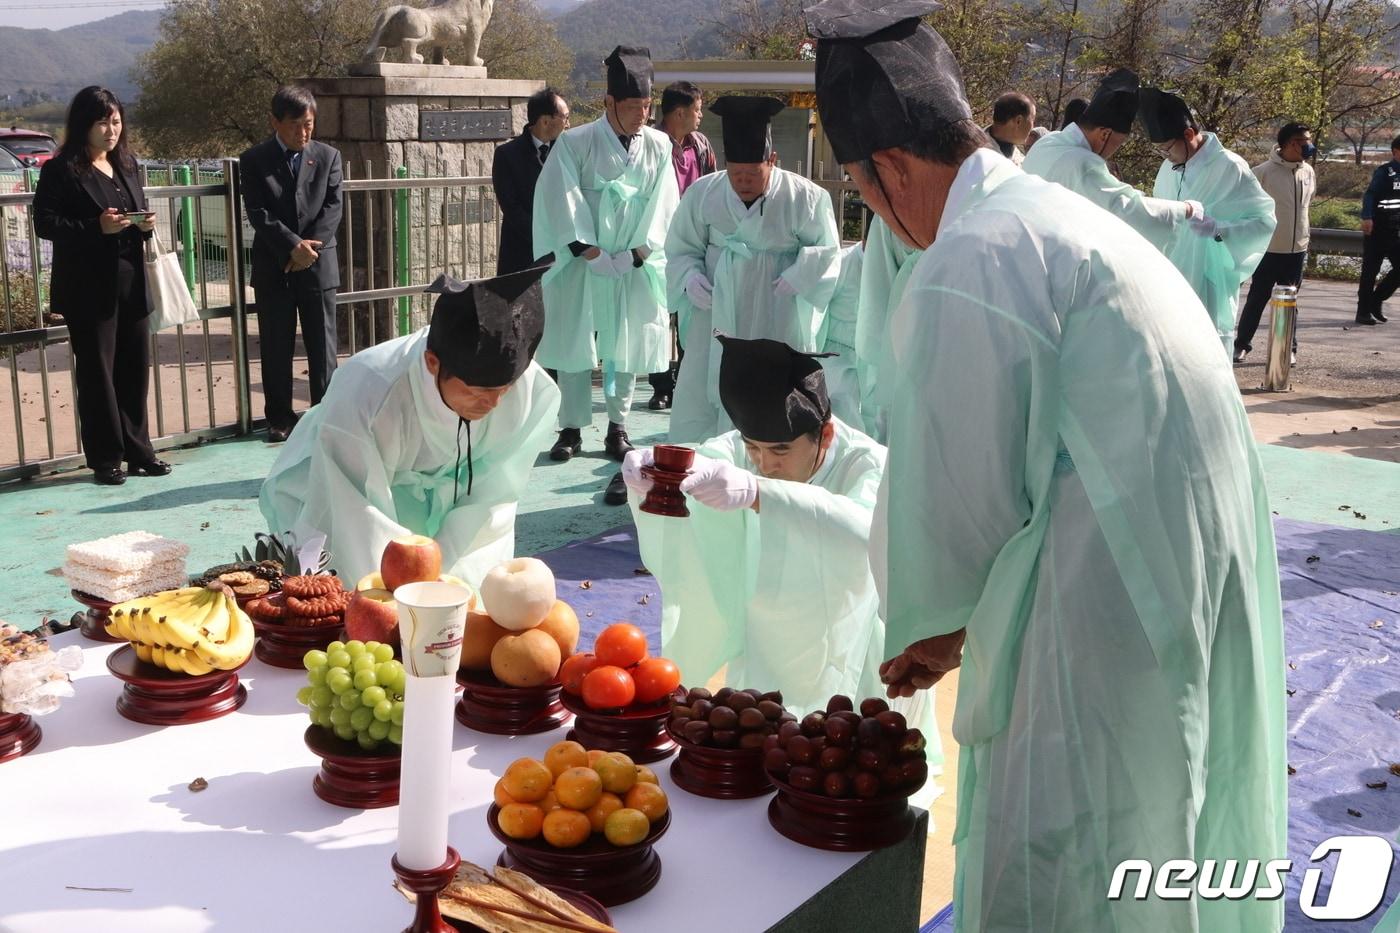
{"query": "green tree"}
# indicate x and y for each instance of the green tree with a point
(206, 83)
(521, 42)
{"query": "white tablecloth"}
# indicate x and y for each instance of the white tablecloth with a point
(104, 802)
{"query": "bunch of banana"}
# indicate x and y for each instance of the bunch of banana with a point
(194, 630)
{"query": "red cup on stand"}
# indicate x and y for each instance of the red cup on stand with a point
(670, 464)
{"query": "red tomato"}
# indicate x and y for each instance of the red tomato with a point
(621, 644)
(608, 687)
(655, 678)
(574, 670)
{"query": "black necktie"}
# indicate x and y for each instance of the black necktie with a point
(626, 142)
(544, 152)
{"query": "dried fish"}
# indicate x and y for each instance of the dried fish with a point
(1378, 785)
(1377, 624)
(1355, 813)
(1292, 770)
(1360, 515)
(644, 599)
(1313, 558)
(1291, 692)
(586, 585)
(641, 571)
(1395, 768)
(198, 784)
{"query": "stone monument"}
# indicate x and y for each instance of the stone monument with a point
(434, 120)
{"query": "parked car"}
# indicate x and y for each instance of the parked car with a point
(29, 146)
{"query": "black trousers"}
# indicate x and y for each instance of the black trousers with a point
(664, 383)
(278, 309)
(1274, 269)
(112, 370)
(1370, 295)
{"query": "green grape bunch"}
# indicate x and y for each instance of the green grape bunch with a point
(355, 689)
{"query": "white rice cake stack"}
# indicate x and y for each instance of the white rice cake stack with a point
(126, 566)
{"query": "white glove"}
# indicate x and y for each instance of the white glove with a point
(643, 252)
(721, 486)
(622, 262)
(700, 291)
(1194, 209)
(605, 265)
(1201, 225)
(637, 484)
(783, 289)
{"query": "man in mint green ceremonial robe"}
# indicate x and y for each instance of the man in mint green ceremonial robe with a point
(1072, 510)
(1077, 158)
(885, 270)
(602, 207)
(1217, 251)
(434, 434)
(753, 251)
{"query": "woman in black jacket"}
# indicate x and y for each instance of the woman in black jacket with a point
(90, 203)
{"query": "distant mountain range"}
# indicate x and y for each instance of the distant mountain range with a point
(670, 28)
(57, 62)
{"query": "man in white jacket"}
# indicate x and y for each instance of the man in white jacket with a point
(1289, 179)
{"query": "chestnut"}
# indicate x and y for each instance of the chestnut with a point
(751, 719)
(723, 693)
(788, 729)
(836, 784)
(751, 740)
(868, 733)
(697, 731)
(722, 717)
(866, 785)
(739, 702)
(773, 696)
(912, 744)
(838, 703)
(701, 709)
(804, 777)
(776, 760)
(770, 710)
(813, 725)
(724, 738)
(892, 723)
(834, 759)
(697, 693)
(873, 706)
(799, 749)
(840, 732)
(771, 742)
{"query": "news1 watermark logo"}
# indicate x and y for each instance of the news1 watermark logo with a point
(1359, 879)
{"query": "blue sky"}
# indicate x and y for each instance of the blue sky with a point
(57, 14)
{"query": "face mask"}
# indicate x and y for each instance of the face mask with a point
(1309, 150)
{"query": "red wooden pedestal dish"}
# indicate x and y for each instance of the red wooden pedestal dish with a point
(160, 697)
(425, 885)
(19, 734)
(352, 777)
(282, 645)
(639, 732)
(487, 705)
(839, 824)
(614, 875)
(589, 906)
(719, 773)
(665, 496)
(94, 625)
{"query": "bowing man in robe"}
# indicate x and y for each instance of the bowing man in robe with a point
(753, 251)
(602, 206)
(433, 433)
(769, 577)
(1219, 249)
(1072, 510)
(1077, 157)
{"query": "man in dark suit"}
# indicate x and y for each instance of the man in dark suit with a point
(291, 190)
(514, 172)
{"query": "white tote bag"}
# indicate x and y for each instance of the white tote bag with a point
(171, 303)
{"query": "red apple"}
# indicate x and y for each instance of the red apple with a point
(410, 559)
(372, 614)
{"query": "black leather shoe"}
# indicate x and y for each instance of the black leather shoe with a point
(568, 446)
(155, 467)
(659, 401)
(616, 444)
(1380, 318)
(616, 493)
(1366, 319)
(114, 476)
(278, 435)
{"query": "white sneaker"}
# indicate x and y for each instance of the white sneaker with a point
(1240, 355)
(1293, 358)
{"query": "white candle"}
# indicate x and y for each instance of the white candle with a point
(431, 619)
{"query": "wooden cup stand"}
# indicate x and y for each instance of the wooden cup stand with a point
(94, 624)
(159, 697)
(668, 470)
(425, 885)
(19, 734)
(489, 706)
(350, 776)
